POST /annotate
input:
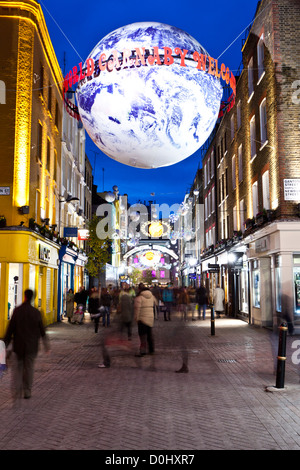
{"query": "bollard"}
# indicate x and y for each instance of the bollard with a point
(212, 321)
(281, 358)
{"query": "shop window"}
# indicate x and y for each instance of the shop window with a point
(15, 285)
(256, 285)
(278, 283)
(296, 274)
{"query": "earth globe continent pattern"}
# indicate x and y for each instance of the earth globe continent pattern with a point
(154, 115)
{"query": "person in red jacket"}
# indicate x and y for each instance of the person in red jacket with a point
(25, 328)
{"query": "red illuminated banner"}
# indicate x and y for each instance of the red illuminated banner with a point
(138, 58)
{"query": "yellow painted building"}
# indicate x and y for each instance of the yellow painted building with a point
(30, 124)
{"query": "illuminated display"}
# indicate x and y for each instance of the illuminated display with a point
(149, 94)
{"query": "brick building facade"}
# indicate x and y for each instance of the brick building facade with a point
(256, 152)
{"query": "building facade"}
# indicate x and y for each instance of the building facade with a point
(257, 169)
(30, 123)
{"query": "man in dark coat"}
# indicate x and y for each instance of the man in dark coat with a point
(25, 327)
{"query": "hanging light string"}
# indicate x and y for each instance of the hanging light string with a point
(62, 31)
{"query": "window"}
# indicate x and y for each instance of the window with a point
(263, 121)
(260, 57)
(205, 207)
(232, 127)
(48, 155)
(242, 215)
(39, 141)
(212, 163)
(233, 172)
(278, 282)
(50, 100)
(250, 78)
(205, 176)
(256, 285)
(56, 114)
(234, 218)
(2, 92)
(240, 157)
(213, 200)
(266, 190)
(55, 165)
(238, 114)
(255, 198)
(42, 79)
(252, 138)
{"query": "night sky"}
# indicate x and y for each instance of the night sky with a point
(76, 27)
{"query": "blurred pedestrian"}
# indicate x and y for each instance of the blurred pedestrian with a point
(202, 300)
(157, 294)
(94, 306)
(25, 328)
(126, 311)
(81, 298)
(70, 304)
(105, 301)
(144, 316)
(168, 300)
(192, 299)
(218, 298)
(183, 301)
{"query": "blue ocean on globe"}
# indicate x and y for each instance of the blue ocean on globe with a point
(152, 115)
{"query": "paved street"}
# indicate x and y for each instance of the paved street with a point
(142, 404)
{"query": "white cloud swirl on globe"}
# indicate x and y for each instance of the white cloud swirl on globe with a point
(154, 115)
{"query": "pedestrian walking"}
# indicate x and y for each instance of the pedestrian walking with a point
(192, 300)
(183, 301)
(202, 300)
(105, 301)
(25, 328)
(81, 298)
(126, 311)
(157, 294)
(70, 304)
(168, 300)
(94, 306)
(218, 299)
(144, 316)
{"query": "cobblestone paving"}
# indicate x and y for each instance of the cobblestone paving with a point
(141, 404)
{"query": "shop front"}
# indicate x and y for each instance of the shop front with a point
(274, 272)
(27, 261)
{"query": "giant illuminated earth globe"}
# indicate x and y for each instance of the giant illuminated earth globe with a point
(149, 116)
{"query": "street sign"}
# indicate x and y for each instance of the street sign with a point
(70, 231)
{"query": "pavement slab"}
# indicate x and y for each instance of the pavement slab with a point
(141, 404)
